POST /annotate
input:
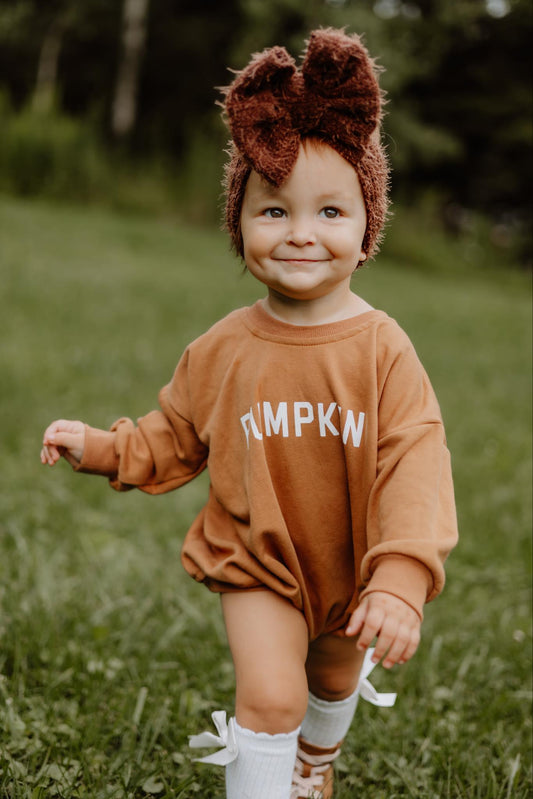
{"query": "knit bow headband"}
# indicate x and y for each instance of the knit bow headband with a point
(272, 105)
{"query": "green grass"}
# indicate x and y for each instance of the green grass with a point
(109, 655)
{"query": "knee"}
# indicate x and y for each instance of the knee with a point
(272, 708)
(333, 684)
(333, 668)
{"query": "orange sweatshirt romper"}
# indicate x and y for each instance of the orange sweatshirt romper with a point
(329, 472)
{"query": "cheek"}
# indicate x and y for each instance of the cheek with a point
(347, 244)
(257, 242)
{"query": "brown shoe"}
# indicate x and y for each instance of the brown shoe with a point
(313, 772)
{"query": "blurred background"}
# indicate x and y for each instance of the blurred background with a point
(113, 102)
(111, 154)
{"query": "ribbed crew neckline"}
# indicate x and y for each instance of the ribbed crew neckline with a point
(262, 324)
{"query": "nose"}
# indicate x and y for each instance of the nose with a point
(301, 231)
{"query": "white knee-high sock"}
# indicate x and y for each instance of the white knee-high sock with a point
(264, 766)
(326, 723)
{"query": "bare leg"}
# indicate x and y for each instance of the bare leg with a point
(333, 667)
(268, 641)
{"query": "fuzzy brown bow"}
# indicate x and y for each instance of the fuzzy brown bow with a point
(334, 96)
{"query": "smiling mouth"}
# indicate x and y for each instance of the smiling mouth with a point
(301, 260)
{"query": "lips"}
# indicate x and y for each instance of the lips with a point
(298, 259)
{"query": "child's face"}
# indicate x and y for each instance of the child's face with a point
(304, 239)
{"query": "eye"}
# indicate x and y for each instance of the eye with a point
(274, 213)
(330, 213)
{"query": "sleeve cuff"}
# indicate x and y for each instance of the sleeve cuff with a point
(99, 455)
(403, 577)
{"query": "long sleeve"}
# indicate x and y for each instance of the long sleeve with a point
(411, 521)
(161, 452)
(329, 473)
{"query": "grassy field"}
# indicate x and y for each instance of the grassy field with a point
(109, 655)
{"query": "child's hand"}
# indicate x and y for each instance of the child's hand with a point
(63, 438)
(393, 621)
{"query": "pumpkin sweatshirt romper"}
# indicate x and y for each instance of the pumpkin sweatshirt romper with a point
(329, 472)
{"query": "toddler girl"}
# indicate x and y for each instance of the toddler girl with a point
(330, 509)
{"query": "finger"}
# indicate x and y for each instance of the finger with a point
(357, 619)
(61, 439)
(411, 647)
(52, 429)
(371, 627)
(404, 646)
(61, 426)
(50, 455)
(387, 636)
(397, 647)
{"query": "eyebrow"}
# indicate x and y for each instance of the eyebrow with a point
(334, 196)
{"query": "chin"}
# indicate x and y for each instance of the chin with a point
(300, 292)
(298, 296)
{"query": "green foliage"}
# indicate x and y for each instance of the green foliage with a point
(198, 177)
(470, 86)
(50, 154)
(59, 157)
(109, 655)
(417, 238)
(457, 75)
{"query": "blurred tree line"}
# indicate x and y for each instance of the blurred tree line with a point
(91, 85)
